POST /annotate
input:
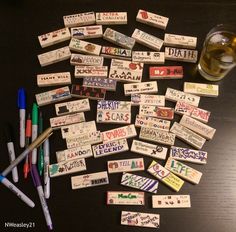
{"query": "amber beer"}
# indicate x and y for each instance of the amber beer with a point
(219, 53)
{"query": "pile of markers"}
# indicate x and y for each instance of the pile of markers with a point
(154, 119)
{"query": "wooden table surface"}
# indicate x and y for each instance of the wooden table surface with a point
(213, 200)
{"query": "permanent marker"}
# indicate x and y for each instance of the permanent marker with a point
(27, 142)
(46, 150)
(38, 185)
(11, 150)
(40, 150)
(34, 130)
(22, 107)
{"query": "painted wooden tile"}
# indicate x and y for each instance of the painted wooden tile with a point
(143, 87)
(166, 113)
(125, 198)
(165, 176)
(89, 180)
(207, 90)
(187, 135)
(52, 79)
(198, 127)
(54, 37)
(139, 219)
(72, 107)
(87, 92)
(180, 54)
(158, 136)
(188, 155)
(166, 72)
(119, 133)
(126, 71)
(100, 83)
(86, 60)
(181, 41)
(91, 71)
(118, 38)
(201, 115)
(126, 165)
(151, 122)
(139, 182)
(67, 167)
(152, 19)
(74, 130)
(171, 201)
(89, 138)
(79, 19)
(148, 57)
(177, 95)
(109, 18)
(148, 149)
(110, 148)
(53, 96)
(116, 53)
(65, 120)
(82, 46)
(79, 152)
(147, 99)
(147, 40)
(54, 56)
(183, 171)
(87, 32)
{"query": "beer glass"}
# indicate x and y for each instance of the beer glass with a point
(218, 56)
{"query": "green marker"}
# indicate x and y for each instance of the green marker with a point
(34, 130)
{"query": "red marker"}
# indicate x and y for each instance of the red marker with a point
(28, 134)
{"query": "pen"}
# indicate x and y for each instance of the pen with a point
(46, 171)
(22, 107)
(27, 142)
(11, 150)
(40, 139)
(41, 156)
(34, 130)
(15, 190)
(38, 185)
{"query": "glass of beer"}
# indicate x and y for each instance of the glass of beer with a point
(218, 56)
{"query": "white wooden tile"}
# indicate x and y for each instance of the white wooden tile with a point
(52, 79)
(152, 19)
(158, 136)
(67, 167)
(53, 96)
(148, 57)
(171, 201)
(65, 120)
(187, 135)
(149, 220)
(54, 56)
(110, 148)
(100, 83)
(183, 171)
(88, 32)
(116, 53)
(54, 37)
(143, 87)
(118, 38)
(125, 198)
(147, 40)
(188, 155)
(180, 54)
(91, 71)
(139, 182)
(109, 18)
(206, 90)
(147, 99)
(86, 60)
(79, 19)
(198, 127)
(89, 180)
(148, 149)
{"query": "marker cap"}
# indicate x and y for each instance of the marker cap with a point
(21, 98)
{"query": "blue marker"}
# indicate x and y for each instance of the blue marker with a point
(22, 110)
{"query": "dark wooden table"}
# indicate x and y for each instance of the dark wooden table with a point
(213, 200)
